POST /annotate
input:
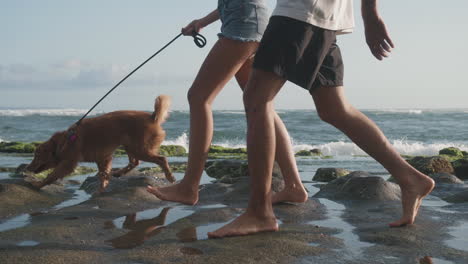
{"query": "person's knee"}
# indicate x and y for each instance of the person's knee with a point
(333, 114)
(195, 100)
(331, 104)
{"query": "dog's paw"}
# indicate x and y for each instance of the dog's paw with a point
(35, 185)
(170, 178)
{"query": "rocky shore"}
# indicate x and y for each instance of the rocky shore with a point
(344, 220)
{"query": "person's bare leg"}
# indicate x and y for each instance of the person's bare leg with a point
(294, 190)
(261, 147)
(224, 60)
(333, 108)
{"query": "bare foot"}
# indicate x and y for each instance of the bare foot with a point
(411, 199)
(175, 193)
(246, 224)
(292, 194)
(103, 185)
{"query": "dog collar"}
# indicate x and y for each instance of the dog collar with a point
(71, 135)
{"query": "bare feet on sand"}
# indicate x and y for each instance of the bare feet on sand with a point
(175, 193)
(411, 198)
(246, 224)
(290, 194)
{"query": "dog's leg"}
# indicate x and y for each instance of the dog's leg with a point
(105, 167)
(162, 162)
(63, 169)
(130, 221)
(132, 163)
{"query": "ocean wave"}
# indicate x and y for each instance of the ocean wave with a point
(400, 111)
(234, 112)
(340, 148)
(182, 140)
(44, 112)
(403, 147)
(418, 148)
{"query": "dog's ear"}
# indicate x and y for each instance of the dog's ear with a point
(53, 143)
(59, 141)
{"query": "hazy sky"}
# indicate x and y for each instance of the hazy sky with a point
(67, 54)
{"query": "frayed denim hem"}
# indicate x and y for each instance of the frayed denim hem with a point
(239, 38)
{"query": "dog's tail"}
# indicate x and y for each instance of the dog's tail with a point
(161, 108)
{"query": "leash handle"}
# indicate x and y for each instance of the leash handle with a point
(198, 39)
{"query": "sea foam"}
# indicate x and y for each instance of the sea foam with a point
(338, 148)
(403, 147)
(43, 112)
(400, 111)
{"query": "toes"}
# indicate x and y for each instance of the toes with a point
(151, 190)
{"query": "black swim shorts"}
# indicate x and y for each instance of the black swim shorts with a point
(301, 53)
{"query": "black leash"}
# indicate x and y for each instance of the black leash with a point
(199, 40)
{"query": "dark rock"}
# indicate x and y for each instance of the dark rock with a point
(164, 150)
(316, 151)
(429, 165)
(303, 153)
(231, 170)
(442, 177)
(312, 152)
(172, 151)
(18, 147)
(461, 168)
(122, 184)
(220, 169)
(360, 185)
(451, 152)
(235, 193)
(460, 197)
(174, 166)
(21, 172)
(329, 174)
(220, 149)
(7, 169)
(17, 196)
(21, 168)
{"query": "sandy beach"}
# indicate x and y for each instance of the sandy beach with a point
(67, 223)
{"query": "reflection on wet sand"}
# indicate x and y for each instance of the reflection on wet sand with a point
(141, 230)
(109, 224)
(426, 260)
(188, 234)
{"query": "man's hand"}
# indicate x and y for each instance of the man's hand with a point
(377, 37)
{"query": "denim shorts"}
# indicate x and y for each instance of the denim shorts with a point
(243, 20)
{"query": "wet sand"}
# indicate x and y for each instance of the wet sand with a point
(128, 225)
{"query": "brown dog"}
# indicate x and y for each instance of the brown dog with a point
(95, 140)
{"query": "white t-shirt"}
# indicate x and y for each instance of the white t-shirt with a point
(329, 14)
